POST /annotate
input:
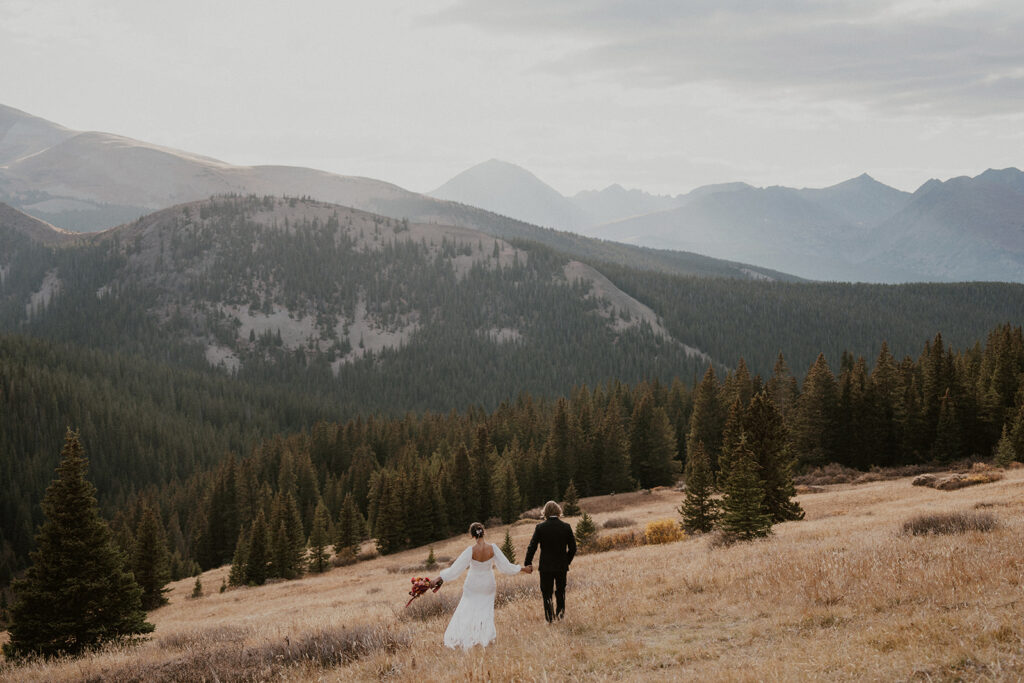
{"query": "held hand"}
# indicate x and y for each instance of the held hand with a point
(526, 570)
(437, 583)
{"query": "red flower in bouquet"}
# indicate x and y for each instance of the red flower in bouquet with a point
(420, 585)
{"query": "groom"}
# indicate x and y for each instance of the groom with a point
(557, 548)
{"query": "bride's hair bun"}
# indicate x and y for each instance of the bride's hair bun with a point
(476, 530)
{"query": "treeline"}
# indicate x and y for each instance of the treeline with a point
(730, 319)
(421, 478)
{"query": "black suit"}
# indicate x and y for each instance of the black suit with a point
(557, 548)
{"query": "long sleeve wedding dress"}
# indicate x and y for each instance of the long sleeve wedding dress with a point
(473, 621)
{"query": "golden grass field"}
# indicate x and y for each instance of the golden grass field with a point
(841, 595)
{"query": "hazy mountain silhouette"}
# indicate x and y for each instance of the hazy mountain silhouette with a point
(510, 190)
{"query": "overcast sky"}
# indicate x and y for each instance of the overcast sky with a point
(660, 95)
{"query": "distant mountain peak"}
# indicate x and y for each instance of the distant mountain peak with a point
(511, 190)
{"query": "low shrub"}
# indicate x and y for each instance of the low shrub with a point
(663, 531)
(532, 514)
(949, 523)
(208, 658)
(618, 522)
(952, 482)
(619, 541)
(344, 558)
(430, 605)
(833, 473)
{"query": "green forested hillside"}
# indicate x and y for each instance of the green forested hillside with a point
(757, 320)
(423, 477)
(202, 329)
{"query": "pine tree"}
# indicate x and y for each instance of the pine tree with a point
(611, 453)
(888, 418)
(197, 588)
(390, 523)
(431, 562)
(318, 539)
(571, 501)
(508, 549)
(1017, 431)
(350, 529)
(151, 560)
(734, 425)
(699, 510)
(743, 517)
(767, 438)
(586, 532)
(237, 575)
(506, 489)
(708, 419)
(948, 443)
(258, 555)
(782, 387)
(288, 542)
(1005, 453)
(78, 593)
(814, 417)
(652, 444)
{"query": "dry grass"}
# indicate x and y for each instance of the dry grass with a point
(842, 595)
(949, 523)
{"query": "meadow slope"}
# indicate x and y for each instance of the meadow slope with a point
(841, 595)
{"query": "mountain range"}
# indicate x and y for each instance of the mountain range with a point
(89, 181)
(858, 230)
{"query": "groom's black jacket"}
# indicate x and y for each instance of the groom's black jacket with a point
(557, 545)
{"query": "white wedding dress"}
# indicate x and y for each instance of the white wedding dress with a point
(473, 621)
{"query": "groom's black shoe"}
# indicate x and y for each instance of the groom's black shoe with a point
(549, 611)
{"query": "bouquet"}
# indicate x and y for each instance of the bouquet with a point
(420, 585)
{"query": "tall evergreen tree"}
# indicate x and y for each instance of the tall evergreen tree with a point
(652, 444)
(743, 517)
(258, 556)
(1016, 430)
(1005, 453)
(611, 452)
(814, 418)
(151, 560)
(699, 510)
(735, 423)
(506, 489)
(571, 501)
(78, 592)
(782, 387)
(389, 527)
(888, 418)
(287, 540)
(508, 549)
(708, 418)
(767, 438)
(318, 540)
(462, 505)
(948, 445)
(237, 574)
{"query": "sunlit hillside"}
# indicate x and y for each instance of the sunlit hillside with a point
(842, 595)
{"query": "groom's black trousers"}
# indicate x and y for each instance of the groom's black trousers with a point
(553, 581)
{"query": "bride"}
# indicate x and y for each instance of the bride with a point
(473, 621)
